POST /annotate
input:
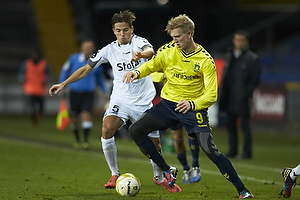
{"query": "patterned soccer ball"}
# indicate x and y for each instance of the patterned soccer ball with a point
(128, 185)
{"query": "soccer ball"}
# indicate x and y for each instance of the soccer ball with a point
(128, 185)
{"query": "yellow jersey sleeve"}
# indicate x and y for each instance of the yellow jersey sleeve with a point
(157, 77)
(151, 66)
(188, 76)
(210, 89)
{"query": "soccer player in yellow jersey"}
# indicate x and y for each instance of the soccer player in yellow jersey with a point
(191, 88)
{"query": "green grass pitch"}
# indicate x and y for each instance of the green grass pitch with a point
(41, 164)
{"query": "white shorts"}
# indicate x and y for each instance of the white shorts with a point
(128, 111)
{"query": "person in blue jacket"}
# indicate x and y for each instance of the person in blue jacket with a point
(82, 92)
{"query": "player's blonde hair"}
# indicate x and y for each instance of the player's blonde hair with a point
(181, 21)
(123, 16)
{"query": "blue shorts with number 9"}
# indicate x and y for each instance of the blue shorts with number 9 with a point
(192, 121)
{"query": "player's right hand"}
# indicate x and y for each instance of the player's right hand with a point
(129, 76)
(55, 89)
(183, 106)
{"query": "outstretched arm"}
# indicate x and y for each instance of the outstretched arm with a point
(77, 75)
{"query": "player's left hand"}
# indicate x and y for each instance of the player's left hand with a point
(136, 56)
(183, 106)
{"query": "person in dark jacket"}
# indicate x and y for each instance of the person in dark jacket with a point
(240, 77)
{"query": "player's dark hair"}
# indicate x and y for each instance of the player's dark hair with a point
(123, 16)
(242, 33)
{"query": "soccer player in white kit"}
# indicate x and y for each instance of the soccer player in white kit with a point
(127, 101)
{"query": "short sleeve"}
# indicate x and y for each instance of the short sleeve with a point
(98, 58)
(143, 43)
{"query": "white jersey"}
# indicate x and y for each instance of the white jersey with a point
(140, 91)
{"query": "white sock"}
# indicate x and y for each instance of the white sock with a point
(295, 172)
(110, 152)
(158, 174)
(87, 124)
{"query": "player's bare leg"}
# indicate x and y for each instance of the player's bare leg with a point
(109, 127)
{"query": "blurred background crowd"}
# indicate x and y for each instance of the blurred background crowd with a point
(57, 27)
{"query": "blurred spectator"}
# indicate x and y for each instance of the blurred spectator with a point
(240, 77)
(82, 92)
(34, 73)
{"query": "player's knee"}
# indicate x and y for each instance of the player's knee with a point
(138, 130)
(179, 144)
(207, 145)
(86, 116)
(145, 125)
(178, 135)
(212, 155)
(135, 131)
(107, 131)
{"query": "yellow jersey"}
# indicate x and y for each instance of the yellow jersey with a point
(157, 77)
(191, 76)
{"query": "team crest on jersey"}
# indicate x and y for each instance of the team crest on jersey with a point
(197, 68)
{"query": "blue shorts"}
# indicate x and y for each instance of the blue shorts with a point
(176, 127)
(192, 121)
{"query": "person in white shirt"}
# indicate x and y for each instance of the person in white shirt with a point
(127, 102)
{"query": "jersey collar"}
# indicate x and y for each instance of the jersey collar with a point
(192, 53)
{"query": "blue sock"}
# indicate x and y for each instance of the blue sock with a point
(227, 170)
(148, 148)
(183, 160)
(194, 146)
